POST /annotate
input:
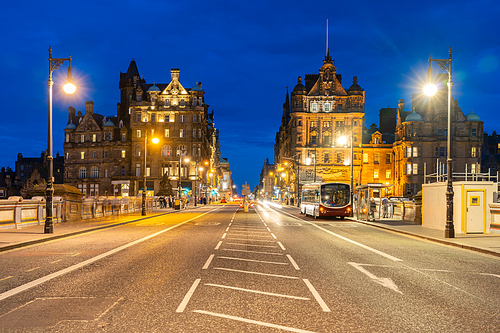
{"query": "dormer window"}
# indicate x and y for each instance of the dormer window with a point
(314, 107)
(139, 97)
(327, 107)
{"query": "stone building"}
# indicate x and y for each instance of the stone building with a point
(317, 125)
(106, 155)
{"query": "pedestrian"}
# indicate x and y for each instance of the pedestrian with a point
(186, 203)
(385, 206)
(373, 208)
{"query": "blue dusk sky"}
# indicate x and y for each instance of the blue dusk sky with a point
(245, 54)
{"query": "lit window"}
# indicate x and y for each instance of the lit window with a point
(82, 155)
(148, 172)
(314, 107)
(166, 151)
(375, 174)
(408, 169)
(473, 152)
(388, 174)
(123, 153)
(365, 157)
(415, 168)
(415, 151)
(182, 133)
(473, 168)
(94, 137)
(138, 133)
(376, 158)
(182, 118)
(408, 151)
(167, 133)
(67, 137)
(82, 138)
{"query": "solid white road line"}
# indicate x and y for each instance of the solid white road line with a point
(249, 239)
(186, 299)
(209, 260)
(281, 245)
(256, 273)
(272, 253)
(250, 321)
(388, 256)
(253, 260)
(294, 264)
(318, 298)
(257, 291)
(218, 245)
(258, 245)
(46, 278)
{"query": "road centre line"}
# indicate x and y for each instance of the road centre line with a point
(388, 256)
(253, 260)
(274, 236)
(224, 236)
(209, 260)
(250, 321)
(186, 299)
(227, 229)
(256, 273)
(281, 245)
(218, 245)
(268, 229)
(29, 270)
(251, 245)
(257, 291)
(294, 264)
(46, 278)
(236, 250)
(318, 298)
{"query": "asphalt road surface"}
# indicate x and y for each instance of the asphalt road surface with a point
(220, 269)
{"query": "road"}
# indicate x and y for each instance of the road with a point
(220, 269)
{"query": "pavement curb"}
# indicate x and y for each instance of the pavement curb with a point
(432, 239)
(74, 233)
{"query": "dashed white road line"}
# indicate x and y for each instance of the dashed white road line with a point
(209, 260)
(256, 273)
(318, 298)
(274, 236)
(250, 321)
(257, 292)
(294, 264)
(281, 245)
(186, 299)
(224, 236)
(218, 245)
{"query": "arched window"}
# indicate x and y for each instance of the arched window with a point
(82, 173)
(94, 172)
(182, 150)
(166, 151)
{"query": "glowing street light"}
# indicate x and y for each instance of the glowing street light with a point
(69, 88)
(155, 141)
(430, 89)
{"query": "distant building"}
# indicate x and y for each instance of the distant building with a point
(265, 188)
(104, 155)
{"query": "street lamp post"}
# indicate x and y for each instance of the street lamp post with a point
(445, 64)
(69, 88)
(155, 140)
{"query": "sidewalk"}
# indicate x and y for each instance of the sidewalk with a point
(485, 243)
(16, 238)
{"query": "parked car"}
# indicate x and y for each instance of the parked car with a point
(223, 201)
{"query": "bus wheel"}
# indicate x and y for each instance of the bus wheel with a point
(341, 217)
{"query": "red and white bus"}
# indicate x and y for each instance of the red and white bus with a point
(326, 199)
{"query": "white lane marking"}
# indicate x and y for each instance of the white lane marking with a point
(227, 229)
(281, 245)
(264, 223)
(318, 298)
(274, 236)
(257, 291)
(251, 321)
(253, 260)
(251, 240)
(276, 254)
(7, 277)
(209, 260)
(224, 236)
(230, 223)
(256, 273)
(386, 282)
(495, 275)
(294, 264)
(29, 270)
(258, 245)
(46, 278)
(249, 233)
(388, 256)
(268, 229)
(186, 299)
(218, 245)
(253, 236)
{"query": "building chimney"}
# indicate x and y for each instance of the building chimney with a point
(71, 113)
(89, 107)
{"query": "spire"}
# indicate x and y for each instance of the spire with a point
(132, 70)
(328, 59)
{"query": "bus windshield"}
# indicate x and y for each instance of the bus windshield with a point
(335, 195)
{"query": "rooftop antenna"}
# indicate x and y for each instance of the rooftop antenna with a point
(327, 36)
